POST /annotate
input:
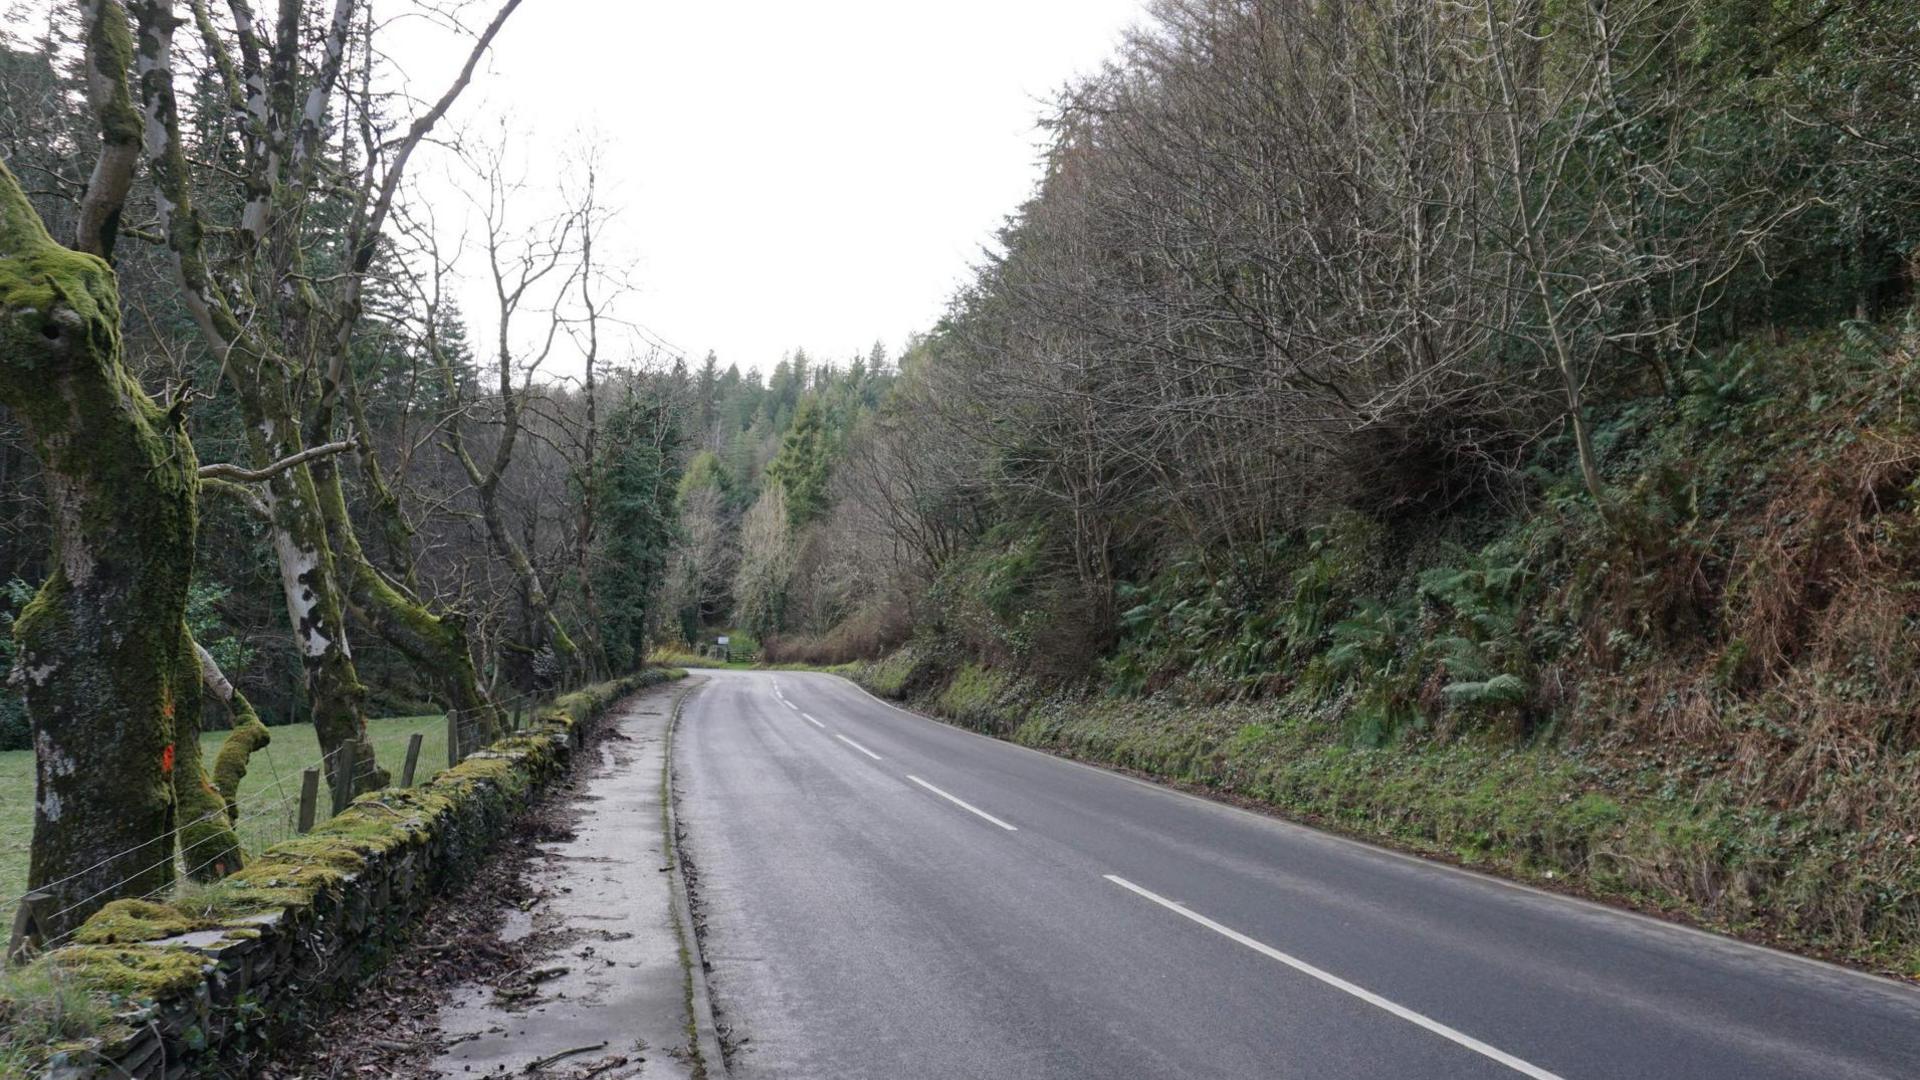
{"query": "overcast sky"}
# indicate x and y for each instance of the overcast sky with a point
(818, 175)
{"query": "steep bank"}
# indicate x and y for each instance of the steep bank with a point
(1705, 702)
(1497, 457)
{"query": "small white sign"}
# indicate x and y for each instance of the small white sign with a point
(723, 640)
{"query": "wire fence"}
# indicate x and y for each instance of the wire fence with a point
(282, 804)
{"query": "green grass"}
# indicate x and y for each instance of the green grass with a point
(268, 796)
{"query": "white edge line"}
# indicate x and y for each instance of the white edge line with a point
(856, 746)
(1278, 819)
(963, 804)
(1342, 985)
(814, 722)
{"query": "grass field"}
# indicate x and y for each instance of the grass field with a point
(269, 796)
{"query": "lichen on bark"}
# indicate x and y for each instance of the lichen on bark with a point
(100, 644)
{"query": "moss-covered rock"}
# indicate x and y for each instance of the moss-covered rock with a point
(127, 922)
(132, 972)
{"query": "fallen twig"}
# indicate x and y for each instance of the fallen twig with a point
(551, 1058)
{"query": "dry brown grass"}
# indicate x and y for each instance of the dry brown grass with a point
(1786, 660)
(868, 634)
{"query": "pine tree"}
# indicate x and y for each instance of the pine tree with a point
(707, 392)
(803, 463)
(638, 487)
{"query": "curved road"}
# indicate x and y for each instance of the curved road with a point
(888, 897)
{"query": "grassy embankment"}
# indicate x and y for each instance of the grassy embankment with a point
(1646, 829)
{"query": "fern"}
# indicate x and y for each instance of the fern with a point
(1481, 646)
(1501, 690)
(1720, 394)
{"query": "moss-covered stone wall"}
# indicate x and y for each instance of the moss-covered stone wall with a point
(295, 929)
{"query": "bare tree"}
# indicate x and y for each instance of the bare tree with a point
(282, 343)
(527, 268)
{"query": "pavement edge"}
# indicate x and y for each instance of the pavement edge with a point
(706, 1033)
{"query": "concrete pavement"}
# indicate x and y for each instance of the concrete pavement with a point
(603, 990)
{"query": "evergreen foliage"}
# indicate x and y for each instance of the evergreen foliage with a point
(638, 480)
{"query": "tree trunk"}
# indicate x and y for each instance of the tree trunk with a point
(209, 848)
(310, 577)
(542, 626)
(316, 608)
(261, 381)
(435, 645)
(102, 644)
(245, 732)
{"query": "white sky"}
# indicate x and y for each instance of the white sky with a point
(789, 174)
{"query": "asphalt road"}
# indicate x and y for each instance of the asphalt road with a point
(890, 897)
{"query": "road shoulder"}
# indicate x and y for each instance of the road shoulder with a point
(602, 979)
(562, 957)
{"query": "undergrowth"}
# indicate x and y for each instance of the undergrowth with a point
(1701, 696)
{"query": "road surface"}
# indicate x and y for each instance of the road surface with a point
(889, 897)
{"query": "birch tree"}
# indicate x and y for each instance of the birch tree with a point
(282, 343)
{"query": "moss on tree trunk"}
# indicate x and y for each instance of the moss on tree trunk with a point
(309, 577)
(436, 645)
(101, 644)
(245, 732)
(265, 384)
(209, 848)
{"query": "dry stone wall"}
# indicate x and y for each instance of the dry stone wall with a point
(298, 927)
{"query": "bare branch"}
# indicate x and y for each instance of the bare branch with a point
(238, 474)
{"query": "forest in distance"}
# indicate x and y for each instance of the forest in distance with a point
(1491, 428)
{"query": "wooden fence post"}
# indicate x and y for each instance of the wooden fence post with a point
(453, 738)
(309, 798)
(29, 928)
(343, 779)
(413, 758)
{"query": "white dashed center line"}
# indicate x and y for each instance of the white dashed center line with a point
(963, 804)
(1342, 985)
(855, 745)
